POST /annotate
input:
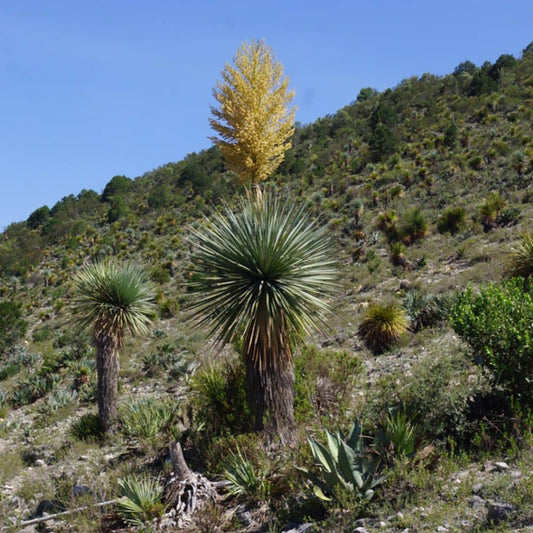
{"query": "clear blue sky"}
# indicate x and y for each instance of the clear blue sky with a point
(91, 89)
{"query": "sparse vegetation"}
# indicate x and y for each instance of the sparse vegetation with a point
(424, 191)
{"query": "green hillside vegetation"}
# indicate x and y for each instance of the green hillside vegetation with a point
(412, 407)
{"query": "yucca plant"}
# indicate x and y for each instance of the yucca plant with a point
(397, 437)
(451, 220)
(265, 270)
(141, 500)
(343, 463)
(111, 300)
(244, 477)
(520, 260)
(382, 327)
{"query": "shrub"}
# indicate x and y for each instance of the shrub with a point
(496, 323)
(88, 427)
(145, 419)
(520, 261)
(414, 226)
(490, 210)
(425, 309)
(451, 220)
(323, 381)
(220, 398)
(382, 327)
(12, 326)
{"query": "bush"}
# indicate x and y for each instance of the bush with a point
(145, 419)
(382, 327)
(12, 326)
(451, 220)
(89, 427)
(220, 398)
(323, 381)
(496, 323)
(414, 226)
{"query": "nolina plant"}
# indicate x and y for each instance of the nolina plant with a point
(382, 327)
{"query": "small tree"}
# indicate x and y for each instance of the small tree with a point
(111, 300)
(252, 120)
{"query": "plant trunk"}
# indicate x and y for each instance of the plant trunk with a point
(107, 367)
(271, 395)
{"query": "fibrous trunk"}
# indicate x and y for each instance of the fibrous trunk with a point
(107, 367)
(270, 385)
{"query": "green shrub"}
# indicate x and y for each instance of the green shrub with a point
(382, 327)
(323, 381)
(490, 210)
(425, 310)
(88, 427)
(414, 226)
(33, 388)
(496, 323)
(145, 419)
(12, 325)
(451, 220)
(219, 396)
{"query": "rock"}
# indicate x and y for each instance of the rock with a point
(476, 501)
(501, 466)
(39, 462)
(298, 528)
(80, 490)
(497, 466)
(442, 528)
(477, 488)
(499, 511)
(48, 507)
(360, 529)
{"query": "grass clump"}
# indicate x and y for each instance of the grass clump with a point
(520, 260)
(452, 220)
(382, 327)
(88, 427)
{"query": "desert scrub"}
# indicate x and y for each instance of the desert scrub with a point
(382, 327)
(496, 324)
(324, 381)
(146, 420)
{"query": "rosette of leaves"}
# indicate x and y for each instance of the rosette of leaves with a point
(343, 464)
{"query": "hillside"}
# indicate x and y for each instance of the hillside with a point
(425, 188)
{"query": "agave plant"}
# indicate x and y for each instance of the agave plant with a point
(265, 270)
(343, 463)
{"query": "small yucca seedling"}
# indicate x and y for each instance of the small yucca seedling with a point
(382, 327)
(141, 500)
(244, 477)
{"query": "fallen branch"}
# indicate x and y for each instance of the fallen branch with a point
(58, 515)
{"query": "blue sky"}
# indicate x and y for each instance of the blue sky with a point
(94, 89)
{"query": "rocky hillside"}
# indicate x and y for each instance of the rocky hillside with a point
(426, 188)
